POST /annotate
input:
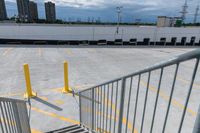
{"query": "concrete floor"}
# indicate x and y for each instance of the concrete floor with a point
(87, 67)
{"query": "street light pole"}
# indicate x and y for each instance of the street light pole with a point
(119, 17)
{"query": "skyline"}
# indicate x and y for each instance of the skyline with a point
(146, 11)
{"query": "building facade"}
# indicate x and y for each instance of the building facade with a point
(23, 10)
(3, 14)
(33, 11)
(164, 21)
(50, 11)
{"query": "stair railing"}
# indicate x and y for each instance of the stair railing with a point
(13, 116)
(119, 106)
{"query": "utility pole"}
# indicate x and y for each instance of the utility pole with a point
(196, 13)
(184, 11)
(119, 11)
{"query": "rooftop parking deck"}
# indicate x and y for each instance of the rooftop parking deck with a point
(88, 66)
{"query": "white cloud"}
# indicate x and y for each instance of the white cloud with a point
(108, 3)
(104, 3)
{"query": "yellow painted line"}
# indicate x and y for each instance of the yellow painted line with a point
(35, 131)
(124, 120)
(75, 87)
(166, 97)
(12, 123)
(102, 131)
(59, 90)
(7, 51)
(40, 52)
(109, 103)
(129, 125)
(67, 119)
(55, 116)
(11, 94)
(117, 114)
(59, 102)
(54, 89)
(83, 86)
(43, 98)
(21, 93)
(187, 82)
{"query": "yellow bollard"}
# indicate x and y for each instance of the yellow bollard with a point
(29, 93)
(66, 88)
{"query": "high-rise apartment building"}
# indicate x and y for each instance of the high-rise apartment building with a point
(3, 14)
(23, 10)
(33, 11)
(50, 12)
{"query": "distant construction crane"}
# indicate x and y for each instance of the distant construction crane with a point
(196, 13)
(184, 11)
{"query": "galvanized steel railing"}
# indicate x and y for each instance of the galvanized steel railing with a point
(13, 116)
(129, 104)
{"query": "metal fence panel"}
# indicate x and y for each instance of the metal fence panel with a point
(13, 116)
(130, 104)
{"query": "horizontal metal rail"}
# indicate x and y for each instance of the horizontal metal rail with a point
(13, 116)
(115, 106)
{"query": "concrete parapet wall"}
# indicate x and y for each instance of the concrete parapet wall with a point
(94, 32)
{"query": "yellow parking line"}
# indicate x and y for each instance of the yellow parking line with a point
(102, 131)
(59, 90)
(7, 51)
(11, 94)
(55, 116)
(12, 123)
(67, 119)
(35, 131)
(83, 86)
(43, 98)
(59, 102)
(166, 97)
(6, 121)
(187, 82)
(129, 125)
(54, 89)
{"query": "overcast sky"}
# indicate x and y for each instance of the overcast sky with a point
(146, 10)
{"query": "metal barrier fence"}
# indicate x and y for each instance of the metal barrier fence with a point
(13, 116)
(129, 104)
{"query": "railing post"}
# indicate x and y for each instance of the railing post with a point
(197, 123)
(93, 110)
(17, 119)
(121, 105)
(80, 109)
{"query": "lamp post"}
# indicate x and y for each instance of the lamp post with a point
(119, 11)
